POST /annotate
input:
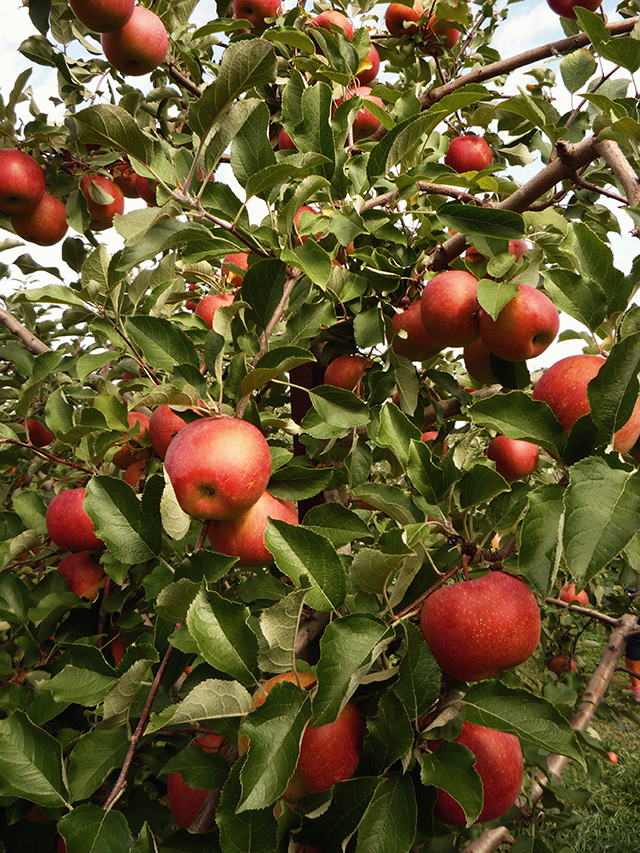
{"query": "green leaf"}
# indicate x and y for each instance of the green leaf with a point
(212, 699)
(248, 831)
(425, 474)
(337, 523)
(199, 769)
(113, 127)
(225, 641)
(314, 133)
(312, 259)
(340, 409)
(452, 769)
(118, 520)
(279, 626)
(391, 500)
(593, 258)
(298, 482)
(540, 536)
(119, 699)
(419, 676)
(390, 821)
(90, 827)
(494, 295)
(396, 431)
(371, 570)
(275, 363)
(576, 68)
(579, 296)
(613, 392)
(163, 344)
(82, 686)
(348, 649)
(535, 110)
(299, 552)
(624, 51)
(479, 484)
(516, 415)
(31, 763)
(251, 151)
(54, 294)
(275, 732)
(175, 599)
(390, 733)
(95, 755)
(483, 221)
(262, 289)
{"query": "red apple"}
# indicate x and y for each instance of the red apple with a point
(256, 11)
(328, 754)
(513, 458)
(219, 467)
(500, 766)
(365, 123)
(146, 189)
(125, 178)
(302, 238)
(516, 248)
(346, 371)
(117, 648)
(164, 425)
(22, 182)
(62, 848)
(370, 71)
(566, 8)
(102, 212)
(477, 360)
(561, 663)
(243, 537)
(569, 595)
(612, 757)
(208, 306)
(46, 225)
(238, 259)
(432, 435)
(85, 577)
(68, 524)
(437, 35)
(468, 154)
(39, 434)
(563, 387)
(449, 308)
(136, 474)
(138, 47)
(331, 20)
(102, 16)
(418, 345)
(481, 627)
(184, 801)
(401, 20)
(128, 453)
(524, 328)
(285, 143)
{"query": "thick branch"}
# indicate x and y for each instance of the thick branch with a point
(32, 343)
(490, 840)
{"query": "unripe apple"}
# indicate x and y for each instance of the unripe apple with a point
(208, 306)
(22, 182)
(560, 664)
(102, 16)
(369, 73)
(449, 308)
(418, 345)
(218, 467)
(401, 20)
(102, 212)
(477, 360)
(85, 577)
(566, 8)
(138, 47)
(256, 11)
(524, 328)
(68, 524)
(563, 387)
(568, 594)
(164, 425)
(346, 371)
(46, 225)
(468, 154)
(238, 259)
(500, 766)
(513, 458)
(365, 123)
(481, 627)
(333, 19)
(243, 537)
(39, 434)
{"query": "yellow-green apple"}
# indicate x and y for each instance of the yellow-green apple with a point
(22, 182)
(481, 627)
(85, 577)
(500, 766)
(477, 360)
(238, 259)
(256, 11)
(365, 124)
(97, 189)
(125, 178)
(514, 458)
(138, 47)
(449, 308)
(39, 434)
(68, 524)
(102, 16)
(418, 344)
(218, 467)
(563, 387)
(285, 142)
(184, 801)
(566, 8)
(146, 189)
(243, 537)
(164, 425)
(569, 595)
(346, 371)
(402, 20)
(331, 20)
(468, 154)
(524, 328)
(328, 754)
(45, 225)
(369, 67)
(560, 664)
(208, 306)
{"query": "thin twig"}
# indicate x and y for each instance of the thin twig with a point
(585, 185)
(438, 189)
(182, 80)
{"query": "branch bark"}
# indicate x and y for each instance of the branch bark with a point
(16, 328)
(621, 168)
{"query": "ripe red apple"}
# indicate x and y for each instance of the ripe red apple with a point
(370, 72)
(569, 595)
(164, 425)
(208, 306)
(432, 435)
(418, 345)
(365, 123)
(285, 142)
(468, 154)
(45, 225)
(561, 663)
(136, 474)
(500, 766)
(477, 360)
(102, 16)
(613, 757)
(125, 178)
(524, 328)
(138, 47)
(566, 8)
(85, 577)
(302, 238)
(563, 387)
(401, 20)
(68, 524)
(219, 467)
(256, 11)
(22, 182)
(102, 213)
(437, 34)
(481, 627)
(128, 453)
(243, 537)
(513, 458)
(184, 801)
(449, 308)
(238, 259)
(346, 371)
(39, 434)
(333, 19)
(328, 754)
(146, 189)
(516, 248)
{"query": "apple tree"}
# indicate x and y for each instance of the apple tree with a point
(245, 426)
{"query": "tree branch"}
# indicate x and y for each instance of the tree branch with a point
(182, 80)
(621, 168)
(585, 185)
(438, 189)
(16, 328)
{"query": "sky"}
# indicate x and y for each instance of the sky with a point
(530, 23)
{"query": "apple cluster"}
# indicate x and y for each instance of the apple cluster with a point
(36, 215)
